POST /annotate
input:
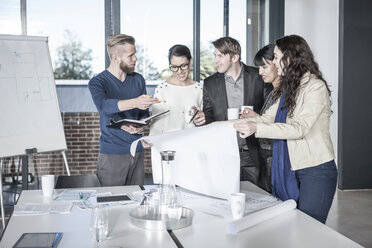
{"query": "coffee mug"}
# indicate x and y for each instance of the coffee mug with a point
(237, 205)
(47, 184)
(243, 107)
(232, 113)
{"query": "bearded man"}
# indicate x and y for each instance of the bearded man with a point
(119, 91)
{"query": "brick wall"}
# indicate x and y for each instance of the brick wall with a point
(82, 137)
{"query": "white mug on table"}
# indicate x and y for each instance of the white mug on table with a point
(47, 184)
(237, 205)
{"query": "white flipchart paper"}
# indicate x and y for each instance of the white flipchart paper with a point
(206, 161)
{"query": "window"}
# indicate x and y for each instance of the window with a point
(156, 26)
(237, 24)
(211, 28)
(65, 22)
(248, 23)
(10, 17)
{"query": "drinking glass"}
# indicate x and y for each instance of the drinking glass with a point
(99, 222)
(150, 203)
(174, 208)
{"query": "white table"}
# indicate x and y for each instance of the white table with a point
(76, 225)
(292, 229)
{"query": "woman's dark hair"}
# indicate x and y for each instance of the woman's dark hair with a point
(296, 61)
(179, 51)
(265, 54)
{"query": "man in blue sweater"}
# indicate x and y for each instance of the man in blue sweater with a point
(121, 91)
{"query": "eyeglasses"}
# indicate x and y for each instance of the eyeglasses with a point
(175, 68)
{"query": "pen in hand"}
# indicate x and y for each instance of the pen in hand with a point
(193, 117)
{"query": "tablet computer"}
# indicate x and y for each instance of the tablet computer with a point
(40, 240)
(113, 198)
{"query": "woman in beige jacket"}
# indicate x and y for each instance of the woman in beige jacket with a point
(303, 166)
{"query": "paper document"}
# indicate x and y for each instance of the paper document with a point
(257, 201)
(74, 195)
(208, 205)
(260, 216)
(30, 209)
(206, 161)
(221, 208)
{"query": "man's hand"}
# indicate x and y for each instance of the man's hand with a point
(247, 112)
(145, 101)
(132, 129)
(199, 118)
(145, 144)
(246, 129)
(142, 102)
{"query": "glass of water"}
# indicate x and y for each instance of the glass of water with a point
(174, 209)
(99, 222)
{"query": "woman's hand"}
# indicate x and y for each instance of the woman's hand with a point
(199, 118)
(247, 112)
(245, 129)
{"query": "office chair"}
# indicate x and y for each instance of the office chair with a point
(78, 181)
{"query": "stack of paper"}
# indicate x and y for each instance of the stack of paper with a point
(38, 208)
(74, 195)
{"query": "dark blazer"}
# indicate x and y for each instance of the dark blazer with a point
(215, 100)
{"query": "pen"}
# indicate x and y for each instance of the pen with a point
(193, 117)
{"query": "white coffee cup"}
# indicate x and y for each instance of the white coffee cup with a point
(237, 205)
(243, 107)
(186, 112)
(47, 184)
(232, 113)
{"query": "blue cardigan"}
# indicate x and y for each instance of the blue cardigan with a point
(106, 91)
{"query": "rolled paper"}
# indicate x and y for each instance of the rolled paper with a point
(260, 216)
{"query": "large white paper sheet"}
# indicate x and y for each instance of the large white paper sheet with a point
(207, 158)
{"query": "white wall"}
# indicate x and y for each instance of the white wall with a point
(317, 22)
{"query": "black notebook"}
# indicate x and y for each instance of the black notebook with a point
(40, 240)
(136, 123)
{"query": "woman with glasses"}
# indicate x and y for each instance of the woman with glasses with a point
(303, 166)
(179, 94)
(264, 60)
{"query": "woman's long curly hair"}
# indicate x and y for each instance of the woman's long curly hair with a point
(296, 61)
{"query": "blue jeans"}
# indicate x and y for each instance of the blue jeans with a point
(317, 188)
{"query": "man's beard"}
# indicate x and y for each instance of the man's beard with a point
(125, 68)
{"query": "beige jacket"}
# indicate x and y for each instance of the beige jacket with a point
(307, 131)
